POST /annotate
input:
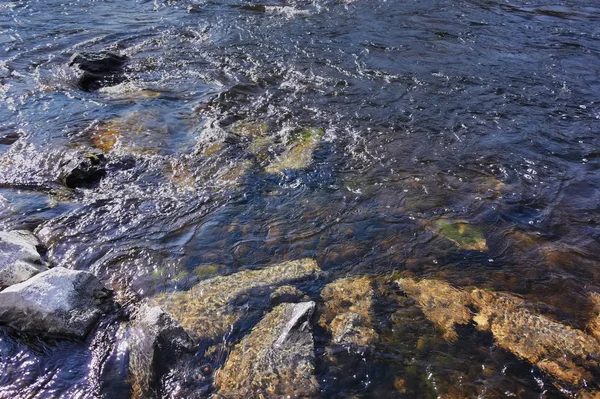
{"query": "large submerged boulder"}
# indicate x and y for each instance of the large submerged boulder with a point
(58, 301)
(275, 360)
(209, 309)
(19, 258)
(566, 353)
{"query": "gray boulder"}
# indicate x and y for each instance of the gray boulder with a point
(19, 258)
(155, 341)
(58, 301)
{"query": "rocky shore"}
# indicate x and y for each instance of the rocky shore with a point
(257, 334)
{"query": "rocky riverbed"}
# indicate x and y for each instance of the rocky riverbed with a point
(256, 333)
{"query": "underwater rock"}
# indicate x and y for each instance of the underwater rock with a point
(19, 258)
(137, 132)
(275, 360)
(568, 354)
(560, 350)
(464, 235)
(346, 312)
(287, 293)
(299, 153)
(443, 304)
(155, 341)
(594, 324)
(250, 129)
(208, 310)
(98, 69)
(58, 301)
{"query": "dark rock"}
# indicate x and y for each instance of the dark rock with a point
(98, 69)
(58, 301)
(84, 171)
(19, 258)
(155, 341)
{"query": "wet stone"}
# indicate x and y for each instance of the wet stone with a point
(84, 171)
(210, 308)
(566, 353)
(443, 304)
(155, 342)
(299, 152)
(19, 258)
(275, 360)
(58, 301)
(98, 69)
(347, 312)
(287, 293)
(140, 132)
(463, 234)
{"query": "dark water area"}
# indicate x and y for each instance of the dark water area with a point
(480, 112)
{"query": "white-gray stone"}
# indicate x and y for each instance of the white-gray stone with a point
(58, 301)
(155, 341)
(19, 258)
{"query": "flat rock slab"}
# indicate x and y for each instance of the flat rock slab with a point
(19, 258)
(58, 301)
(209, 309)
(275, 360)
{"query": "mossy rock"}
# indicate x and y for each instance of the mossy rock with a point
(464, 235)
(299, 153)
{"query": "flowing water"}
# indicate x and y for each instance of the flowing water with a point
(479, 111)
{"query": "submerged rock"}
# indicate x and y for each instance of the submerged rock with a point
(155, 341)
(275, 360)
(19, 258)
(594, 324)
(560, 350)
(443, 304)
(346, 312)
(564, 352)
(58, 301)
(299, 154)
(137, 132)
(98, 69)
(464, 235)
(287, 293)
(208, 310)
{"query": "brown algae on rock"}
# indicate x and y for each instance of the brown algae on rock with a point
(346, 312)
(562, 351)
(275, 360)
(205, 311)
(299, 154)
(137, 132)
(463, 234)
(443, 304)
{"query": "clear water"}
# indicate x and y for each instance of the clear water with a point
(480, 111)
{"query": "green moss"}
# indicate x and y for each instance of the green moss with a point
(299, 154)
(462, 234)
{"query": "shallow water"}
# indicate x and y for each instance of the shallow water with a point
(484, 112)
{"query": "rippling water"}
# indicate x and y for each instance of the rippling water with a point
(485, 112)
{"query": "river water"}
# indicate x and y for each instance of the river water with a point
(484, 112)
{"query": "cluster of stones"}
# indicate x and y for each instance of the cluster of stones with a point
(276, 357)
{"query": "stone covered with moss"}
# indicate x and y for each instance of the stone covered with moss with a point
(208, 310)
(275, 360)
